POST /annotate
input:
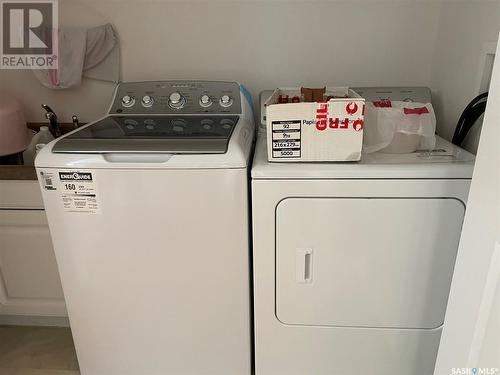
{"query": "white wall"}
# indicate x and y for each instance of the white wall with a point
(490, 349)
(464, 27)
(263, 44)
(471, 332)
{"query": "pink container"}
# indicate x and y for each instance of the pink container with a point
(14, 134)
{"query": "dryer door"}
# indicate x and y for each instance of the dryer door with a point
(365, 262)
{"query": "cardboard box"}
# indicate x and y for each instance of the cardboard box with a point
(327, 130)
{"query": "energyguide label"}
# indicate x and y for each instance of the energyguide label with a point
(77, 189)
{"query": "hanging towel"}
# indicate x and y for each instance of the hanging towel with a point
(93, 53)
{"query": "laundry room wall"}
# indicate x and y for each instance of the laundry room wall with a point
(467, 31)
(265, 44)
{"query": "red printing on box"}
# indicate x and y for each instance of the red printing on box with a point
(415, 111)
(383, 104)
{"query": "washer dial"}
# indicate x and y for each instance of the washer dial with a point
(205, 101)
(147, 101)
(128, 101)
(176, 100)
(226, 101)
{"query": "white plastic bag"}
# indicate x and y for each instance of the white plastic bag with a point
(399, 127)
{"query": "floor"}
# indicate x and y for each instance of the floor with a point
(37, 351)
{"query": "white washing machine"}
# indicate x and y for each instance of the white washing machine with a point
(148, 211)
(353, 261)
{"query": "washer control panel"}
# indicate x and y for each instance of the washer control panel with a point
(177, 97)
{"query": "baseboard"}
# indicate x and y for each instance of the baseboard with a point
(33, 320)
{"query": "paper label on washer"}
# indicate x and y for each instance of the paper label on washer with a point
(48, 180)
(78, 191)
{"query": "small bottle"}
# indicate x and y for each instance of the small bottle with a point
(44, 136)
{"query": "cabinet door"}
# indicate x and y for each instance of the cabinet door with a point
(29, 279)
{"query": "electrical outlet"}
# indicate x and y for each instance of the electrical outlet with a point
(486, 66)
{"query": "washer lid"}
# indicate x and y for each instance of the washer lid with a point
(152, 134)
(446, 161)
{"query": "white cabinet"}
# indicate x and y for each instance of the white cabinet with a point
(29, 279)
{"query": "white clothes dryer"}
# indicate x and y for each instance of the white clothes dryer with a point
(353, 261)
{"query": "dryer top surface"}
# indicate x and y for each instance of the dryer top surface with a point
(446, 161)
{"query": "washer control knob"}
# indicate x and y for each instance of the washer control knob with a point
(226, 101)
(176, 100)
(128, 101)
(205, 101)
(147, 101)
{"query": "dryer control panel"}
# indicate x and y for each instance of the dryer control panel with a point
(177, 97)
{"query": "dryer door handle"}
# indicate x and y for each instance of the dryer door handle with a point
(304, 265)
